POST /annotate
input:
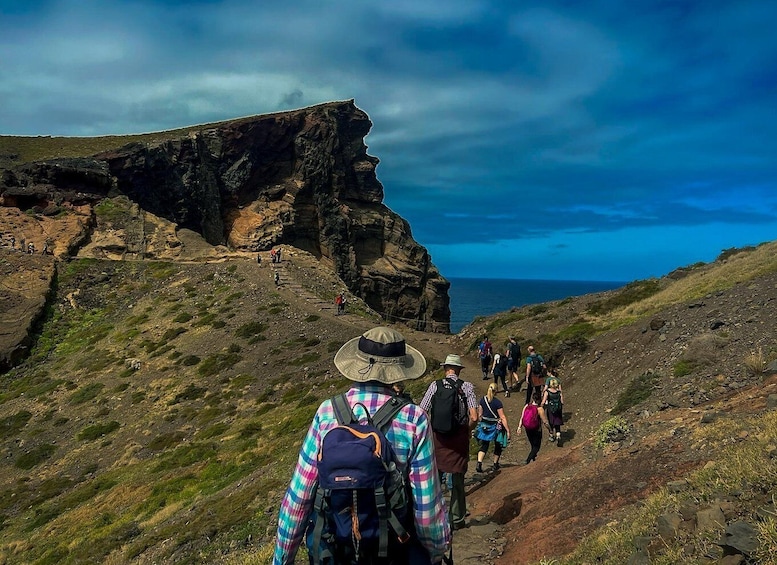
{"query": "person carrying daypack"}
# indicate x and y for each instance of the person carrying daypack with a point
(532, 418)
(373, 420)
(485, 350)
(499, 370)
(553, 401)
(513, 363)
(451, 448)
(535, 373)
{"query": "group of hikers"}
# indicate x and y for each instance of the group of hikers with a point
(30, 249)
(370, 479)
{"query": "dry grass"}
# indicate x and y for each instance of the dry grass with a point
(755, 362)
(743, 466)
(736, 269)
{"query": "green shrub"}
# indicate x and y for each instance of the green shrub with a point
(189, 360)
(172, 333)
(183, 317)
(191, 392)
(684, 367)
(250, 329)
(12, 424)
(612, 430)
(214, 364)
(636, 392)
(35, 456)
(165, 441)
(86, 393)
(91, 433)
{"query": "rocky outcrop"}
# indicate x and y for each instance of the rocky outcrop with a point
(301, 178)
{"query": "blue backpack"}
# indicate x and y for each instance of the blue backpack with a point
(362, 511)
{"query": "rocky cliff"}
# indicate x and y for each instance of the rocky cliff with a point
(301, 178)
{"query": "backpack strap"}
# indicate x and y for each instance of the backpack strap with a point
(343, 411)
(385, 414)
(496, 417)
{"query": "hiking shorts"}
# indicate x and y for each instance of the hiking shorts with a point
(511, 366)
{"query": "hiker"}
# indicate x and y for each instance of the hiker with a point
(31, 248)
(499, 370)
(535, 373)
(551, 374)
(340, 301)
(492, 421)
(532, 419)
(276, 277)
(278, 255)
(374, 361)
(485, 350)
(513, 363)
(451, 447)
(272, 256)
(259, 258)
(553, 402)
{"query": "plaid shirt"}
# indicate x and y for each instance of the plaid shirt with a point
(410, 435)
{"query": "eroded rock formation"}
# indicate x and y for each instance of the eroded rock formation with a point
(301, 178)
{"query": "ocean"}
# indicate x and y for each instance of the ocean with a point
(481, 297)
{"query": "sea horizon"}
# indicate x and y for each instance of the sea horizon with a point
(473, 297)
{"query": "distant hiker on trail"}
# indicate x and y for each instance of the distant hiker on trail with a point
(513, 363)
(340, 301)
(484, 351)
(553, 402)
(499, 370)
(535, 373)
(259, 258)
(532, 419)
(452, 408)
(492, 422)
(31, 248)
(278, 255)
(273, 256)
(276, 277)
(374, 361)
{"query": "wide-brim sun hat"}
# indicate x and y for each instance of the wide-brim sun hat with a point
(381, 355)
(452, 360)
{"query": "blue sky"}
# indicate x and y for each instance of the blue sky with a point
(597, 140)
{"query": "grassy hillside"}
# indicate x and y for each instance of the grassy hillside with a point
(161, 410)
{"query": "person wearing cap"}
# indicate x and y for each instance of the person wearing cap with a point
(452, 450)
(375, 361)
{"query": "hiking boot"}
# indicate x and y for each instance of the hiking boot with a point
(507, 394)
(496, 466)
(479, 467)
(558, 437)
(485, 377)
(551, 437)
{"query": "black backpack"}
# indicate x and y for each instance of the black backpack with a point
(515, 351)
(446, 408)
(362, 510)
(537, 365)
(554, 402)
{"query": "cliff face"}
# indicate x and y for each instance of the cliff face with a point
(300, 178)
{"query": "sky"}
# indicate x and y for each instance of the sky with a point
(599, 140)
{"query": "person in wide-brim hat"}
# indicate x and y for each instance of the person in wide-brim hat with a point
(452, 360)
(381, 355)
